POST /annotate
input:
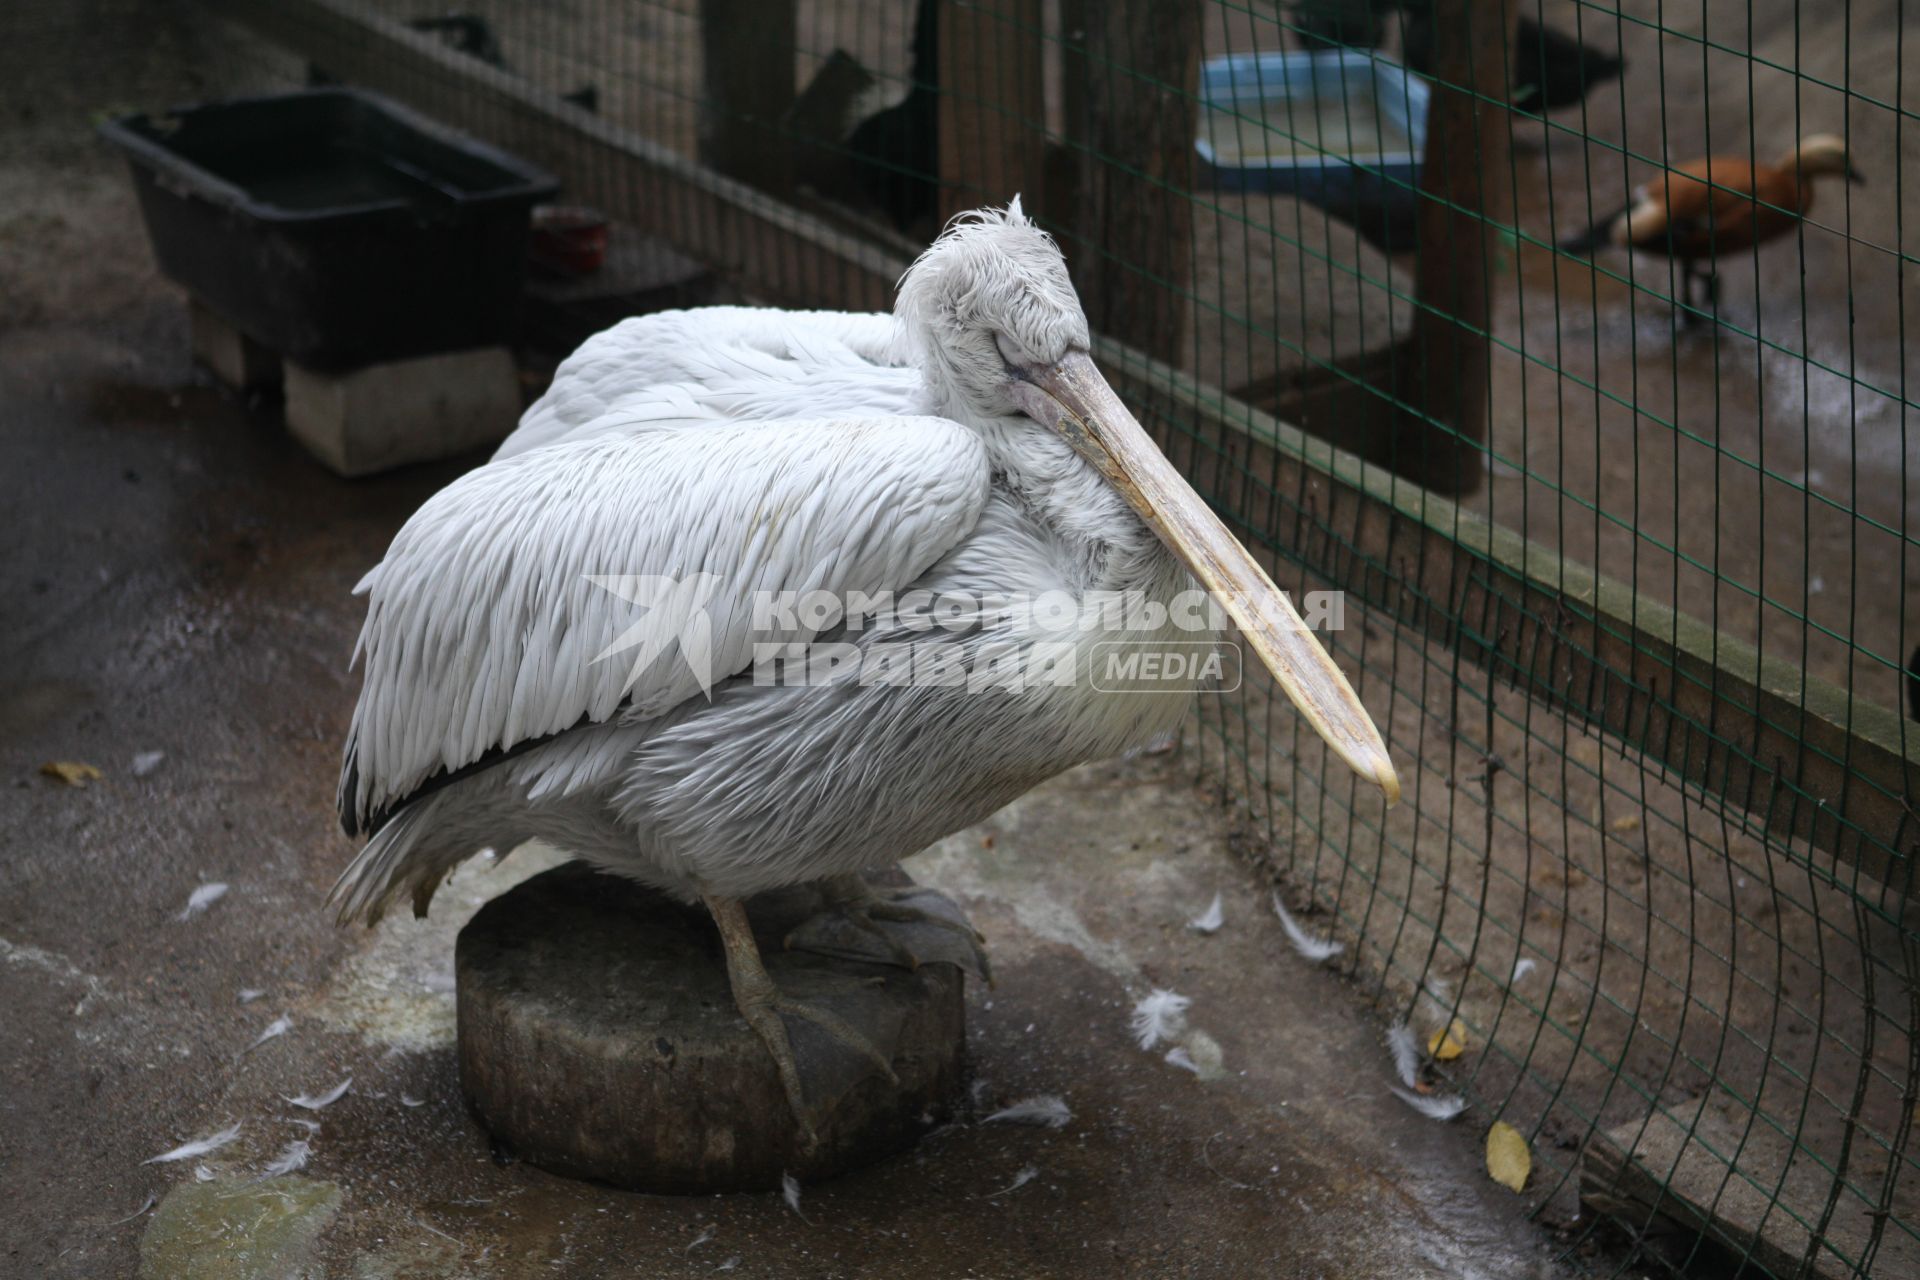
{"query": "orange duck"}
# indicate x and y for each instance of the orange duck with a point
(1716, 206)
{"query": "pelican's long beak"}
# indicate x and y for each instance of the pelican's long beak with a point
(1073, 399)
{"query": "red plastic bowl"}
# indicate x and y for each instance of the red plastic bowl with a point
(568, 239)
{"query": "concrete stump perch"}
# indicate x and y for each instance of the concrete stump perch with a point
(598, 1038)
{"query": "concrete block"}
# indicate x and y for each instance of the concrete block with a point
(386, 415)
(229, 354)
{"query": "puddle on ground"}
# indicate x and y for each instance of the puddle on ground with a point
(234, 1230)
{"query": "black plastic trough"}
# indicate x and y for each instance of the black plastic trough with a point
(334, 226)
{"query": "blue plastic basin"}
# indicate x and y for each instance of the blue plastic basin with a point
(1340, 129)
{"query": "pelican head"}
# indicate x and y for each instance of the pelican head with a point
(992, 319)
(1823, 153)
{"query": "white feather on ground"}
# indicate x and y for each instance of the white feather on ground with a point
(145, 762)
(198, 1147)
(790, 1192)
(1432, 1106)
(292, 1159)
(1406, 1053)
(248, 995)
(408, 1100)
(1179, 1057)
(1020, 1180)
(1521, 968)
(202, 898)
(1314, 949)
(706, 1234)
(311, 1126)
(278, 1027)
(202, 1174)
(1161, 1015)
(1210, 920)
(321, 1101)
(1045, 1110)
(151, 1200)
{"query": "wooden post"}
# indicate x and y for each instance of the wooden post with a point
(1465, 174)
(992, 104)
(1130, 89)
(747, 54)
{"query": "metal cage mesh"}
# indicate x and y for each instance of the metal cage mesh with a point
(1625, 556)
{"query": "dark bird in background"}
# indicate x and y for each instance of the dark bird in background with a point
(1710, 207)
(1551, 69)
(893, 154)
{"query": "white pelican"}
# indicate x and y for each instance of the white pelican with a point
(561, 644)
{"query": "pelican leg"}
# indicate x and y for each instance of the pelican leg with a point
(763, 1005)
(869, 912)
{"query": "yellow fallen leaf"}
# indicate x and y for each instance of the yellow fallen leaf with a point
(1629, 823)
(1508, 1160)
(1449, 1044)
(72, 772)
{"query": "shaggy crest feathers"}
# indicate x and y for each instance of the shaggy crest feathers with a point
(992, 271)
(1160, 1015)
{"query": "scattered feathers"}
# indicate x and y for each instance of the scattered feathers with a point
(1433, 1106)
(706, 1234)
(151, 1200)
(1521, 968)
(292, 1159)
(790, 1192)
(198, 1147)
(1314, 949)
(1162, 1015)
(1020, 1180)
(408, 1100)
(278, 1027)
(145, 762)
(1179, 1057)
(1406, 1053)
(320, 1102)
(202, 898)
(202, 1174)
(1210, 920)
(1045, 1110)
(249, 994)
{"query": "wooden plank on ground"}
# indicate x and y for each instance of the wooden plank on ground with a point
(1733, 1181)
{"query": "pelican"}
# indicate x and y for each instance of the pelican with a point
(565, 644)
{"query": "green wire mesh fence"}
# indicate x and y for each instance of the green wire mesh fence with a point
(1624, 535)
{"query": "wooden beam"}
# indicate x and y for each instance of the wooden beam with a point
(992, 104)
(1466, 192)
(1805, 756)
(746, 51)
(1131, 79)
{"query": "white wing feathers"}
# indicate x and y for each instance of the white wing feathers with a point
(715, 362)
(564, 585)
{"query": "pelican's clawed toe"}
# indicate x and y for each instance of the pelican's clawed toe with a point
(907, 927)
